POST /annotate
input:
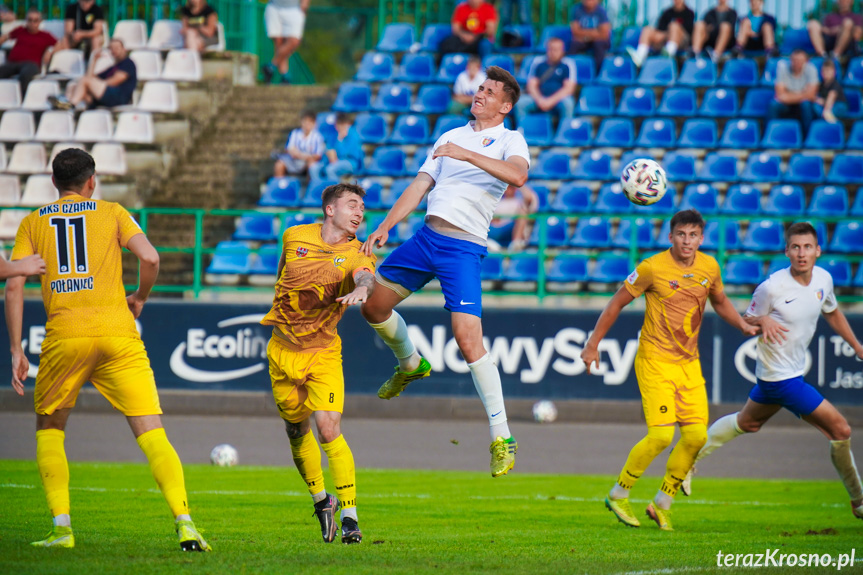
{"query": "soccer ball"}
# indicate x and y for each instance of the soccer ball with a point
(544, 411)
(224, 455)
(643, 182)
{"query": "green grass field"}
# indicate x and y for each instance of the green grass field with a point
(259, 520)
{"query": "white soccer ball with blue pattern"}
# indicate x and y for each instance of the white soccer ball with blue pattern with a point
(544, 411)
(224, 455)
(643, 181)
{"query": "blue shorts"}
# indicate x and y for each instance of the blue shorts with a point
(793, 394)
(428, 255)
(112, 97)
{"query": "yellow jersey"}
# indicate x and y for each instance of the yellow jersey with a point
(676, 297)
(82, 243)
(315, 273)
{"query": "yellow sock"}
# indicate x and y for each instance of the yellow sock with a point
(54, 469)
(658, 438)
(167, 469)
(307, 457)
(342, 468)
(682, 458)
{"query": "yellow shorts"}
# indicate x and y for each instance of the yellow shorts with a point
(305, 382)
(117, 366)
(671, 392)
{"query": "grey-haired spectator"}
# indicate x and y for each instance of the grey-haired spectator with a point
(796, 90)
(591, 30)
(715, 33)
(831, 102)
(756, 31)
(838, 32)
(33, 48)
(305, 147)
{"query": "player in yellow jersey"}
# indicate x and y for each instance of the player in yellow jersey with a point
(676, 285)
(322, 270)
(90, 336)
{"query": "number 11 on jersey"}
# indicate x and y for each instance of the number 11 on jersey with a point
(79, 244)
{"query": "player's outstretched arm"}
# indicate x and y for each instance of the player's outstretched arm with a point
(365, 285)
(14, 315)
(513, 171)
(29, 266)
(725, 309)
(407, 202)
(590, 353)
(840, 325)
(149, 271)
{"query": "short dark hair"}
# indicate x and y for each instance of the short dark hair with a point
(336, 191)
(309, 114)
(828, 63)
(686, 217)
(800, 229)
(72, 168)
(343, 118)
(510, 85)
(474, 60)
(800, 51)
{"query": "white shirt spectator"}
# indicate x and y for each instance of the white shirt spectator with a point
(312, 144)
(465, 86)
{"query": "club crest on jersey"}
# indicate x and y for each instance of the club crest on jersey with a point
(486, 142)
(338, 261)
(820, 294)
(704, 282)
(302, 251)
(673, 284)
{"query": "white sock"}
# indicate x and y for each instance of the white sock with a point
(843, 461)
(671, 48)
(642, 51)
(486, 379)
(663, 500)
(618, 492)
(350, 512)
(319, 496)
(394, 333)
(183, 517)
(63, 520)
(721, 432)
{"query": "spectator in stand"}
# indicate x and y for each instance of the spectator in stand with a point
(550, 85)
(673, 31)
(466, 85)
(757, 32)
(715, 32)
(200, 25)
(344, 154)
(6, 15)
(474, 24)
(831, 102)
(838, 32)
(112, 87)
(285, 21)
(506, 229)
(522, 9)
(85, 27)
(32, 49)
(304, 147)
(796, 90)
(591, 30)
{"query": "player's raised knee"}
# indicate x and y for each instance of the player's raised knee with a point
(660, 437)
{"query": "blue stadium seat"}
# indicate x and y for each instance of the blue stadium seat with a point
(796, 39)
(828, 202)
(637, 102)
(543, 193)
(679, 166)
(374, 193)
(610, 268)
(677, 102)
(854, 72)
(491, 268)
(662, 242)
(407, 228)
(839, 269)
(574, 133)
(447, 123)
(504, 61)
(596, 101)
(846, 169)
(281, 192)
(376, 67)
(616, 133)
(719, 103)
(769, 76)
(303, 219)
(556, 232)
(418, 159)
(719, 167)
(372, 128)
(388, 161)
(855, 103)
(847, 238)
(698, 133)
(824, 135)
(742, 73)
(628, 39)
(572, 197)
(524, 69)
(397, 38)
(782, 135)
(255, 227)
(393, 99)
(585, 68)
(785, 200)
(657, 71)
(451, 66)
(417, 68)
(231, 258)
(742, 199)
(804, 169)
(617, 71)
(611, 200)
(741, 134)
(776, 264)
(701, 197)
(756, 102)
(857, 205)
(591, 233)
(267, 261)
(551, 165)
(855, 139)
(522, 269)
(762, 167)
(858, 277)
(371, 223)
(643, 234)
(665, 206)
(432, 99)
(657, 133)
(537, 129)
(433, 34)
(398, 186)
(410, 129)
(568, 268)
(326, 124)
(711, 235)
(743, 270)
(555, 31)
(312, 197)
(593, 166)
(698, 73)
(764, 236)
(353, 97)
(525, 32)
(631, 155)
(821, 231)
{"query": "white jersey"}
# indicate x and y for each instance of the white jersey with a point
(796, 307)
(465, 195)
(464, 86)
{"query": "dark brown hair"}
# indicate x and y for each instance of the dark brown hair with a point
(800, 229)
(332, 193)
(510, 85)
(686, 217)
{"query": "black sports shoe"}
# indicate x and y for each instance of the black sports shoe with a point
(326, 512)
(268, 71)
(351, 531)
